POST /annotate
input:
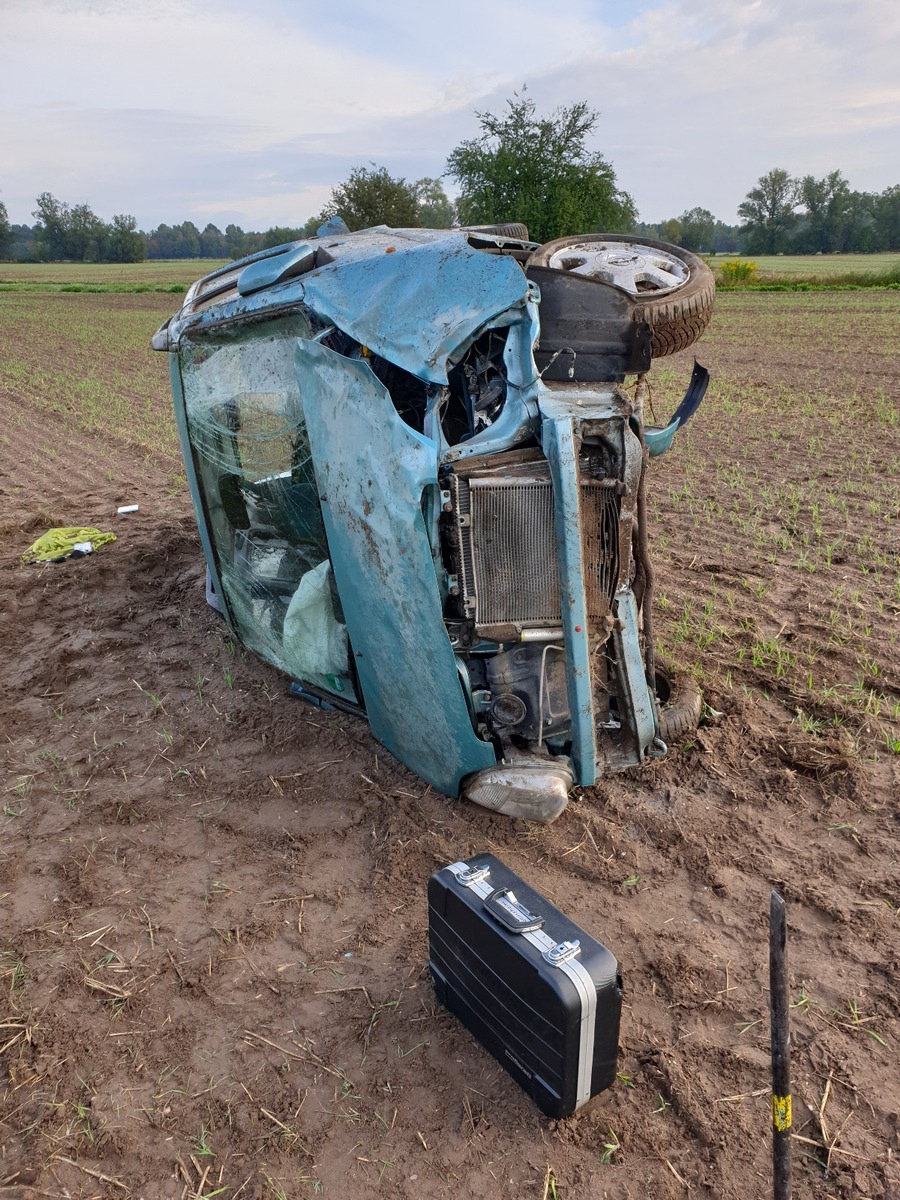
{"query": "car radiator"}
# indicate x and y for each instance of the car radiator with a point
(505, 532)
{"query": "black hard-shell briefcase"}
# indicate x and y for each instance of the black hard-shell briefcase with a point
(537, 991)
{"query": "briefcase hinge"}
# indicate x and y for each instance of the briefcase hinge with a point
(561, 953)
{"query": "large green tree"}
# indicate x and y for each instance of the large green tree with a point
(5, 232)
(86, 235)
(52, 229)
(237, 242)
(435, 209)
(123, 241)
(174, 241)
(213, 243)
(280, 235)
(886, 216)
(698, 230)
(372, 196)
(538, 170)
(79, 235)
(768, 212)
(828, 205)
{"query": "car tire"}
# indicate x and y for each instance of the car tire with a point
(678, 317)
(681, 705)
(512, 229)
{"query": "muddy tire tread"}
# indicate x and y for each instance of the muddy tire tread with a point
(676, 322)
(682, 715)
(510, 229)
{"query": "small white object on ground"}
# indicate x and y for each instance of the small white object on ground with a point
(127, 508)
(83, 548)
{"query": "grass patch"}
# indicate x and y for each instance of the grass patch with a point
(808, 272)
(95, 288)
(87, 359)
(158, 275)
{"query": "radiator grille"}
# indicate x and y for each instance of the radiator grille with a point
(507, 542)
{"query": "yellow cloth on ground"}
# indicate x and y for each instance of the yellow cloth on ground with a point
(56, 542)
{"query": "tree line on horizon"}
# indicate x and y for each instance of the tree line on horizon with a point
(521, 167)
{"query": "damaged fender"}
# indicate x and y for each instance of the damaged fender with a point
(372, 470)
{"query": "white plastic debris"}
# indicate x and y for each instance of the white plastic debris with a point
(127, 508)
(315, 642)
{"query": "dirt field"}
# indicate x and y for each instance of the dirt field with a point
(213, 953)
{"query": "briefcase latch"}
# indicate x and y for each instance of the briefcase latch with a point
(562, 952)
(472, 875)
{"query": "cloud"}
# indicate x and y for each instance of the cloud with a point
(173, 111)
(269, 80)
(718, 93)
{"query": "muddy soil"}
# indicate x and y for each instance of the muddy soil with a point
(214, 957)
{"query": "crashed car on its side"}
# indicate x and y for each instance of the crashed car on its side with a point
(420, 488)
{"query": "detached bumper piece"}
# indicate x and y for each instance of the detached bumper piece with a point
(660, 439)
(540, 994)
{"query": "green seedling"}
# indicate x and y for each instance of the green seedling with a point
(611, 1147)
(290, 1135)
(275, 1188)
(22, 786)
(803, 1001)
(377, 1010)
(81, 1125)
(809, 724)
(843, 827)
(154, 700)
(201, 1144)
(858, 1022)
(12, 969)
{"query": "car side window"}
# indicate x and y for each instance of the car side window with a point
(248, 433)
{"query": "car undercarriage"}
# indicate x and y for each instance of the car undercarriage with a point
(420, 485)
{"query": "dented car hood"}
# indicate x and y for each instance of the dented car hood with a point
(427, 293)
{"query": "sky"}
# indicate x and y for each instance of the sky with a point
(225, 111)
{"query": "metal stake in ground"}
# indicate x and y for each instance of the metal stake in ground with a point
(781, 1047)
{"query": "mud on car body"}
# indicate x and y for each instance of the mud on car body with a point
(420, 488)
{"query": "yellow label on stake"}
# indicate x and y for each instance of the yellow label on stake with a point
(781, 1112)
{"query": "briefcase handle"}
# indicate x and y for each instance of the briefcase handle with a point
(508, 912)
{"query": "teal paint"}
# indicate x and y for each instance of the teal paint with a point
(372, 471)
(561, 449)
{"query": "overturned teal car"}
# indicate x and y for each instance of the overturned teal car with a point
(420, 488)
